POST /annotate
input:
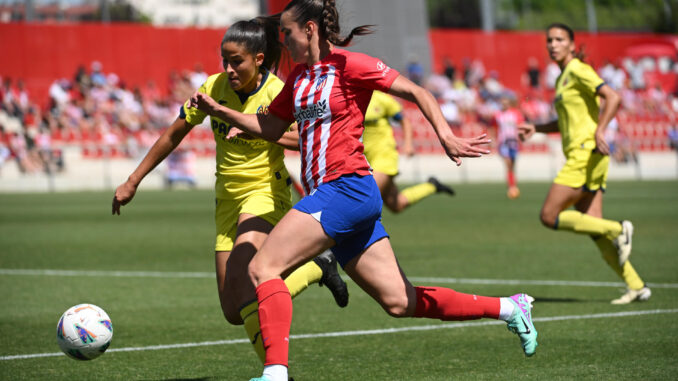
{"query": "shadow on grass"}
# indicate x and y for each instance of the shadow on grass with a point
(185, 379)
(567, 300)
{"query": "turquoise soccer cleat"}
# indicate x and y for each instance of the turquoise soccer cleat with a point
(520, 322)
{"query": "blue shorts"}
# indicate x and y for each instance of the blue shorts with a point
(349, 210)
(509, 149)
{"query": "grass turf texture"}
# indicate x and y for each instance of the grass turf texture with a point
(477, 234)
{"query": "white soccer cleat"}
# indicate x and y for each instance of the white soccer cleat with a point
(623, 242)
(634, 295)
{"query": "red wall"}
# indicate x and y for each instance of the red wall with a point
(41, 53)
(508, 52)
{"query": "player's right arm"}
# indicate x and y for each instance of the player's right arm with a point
(165, 144)
(266, 126)
(526, 130)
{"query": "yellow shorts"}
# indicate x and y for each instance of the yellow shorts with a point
(584, 168)
(383, 157)
(270, 207)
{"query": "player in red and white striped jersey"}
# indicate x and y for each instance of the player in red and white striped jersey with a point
(327, 95)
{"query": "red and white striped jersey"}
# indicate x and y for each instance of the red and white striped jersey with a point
(507, 124)
(328, 101)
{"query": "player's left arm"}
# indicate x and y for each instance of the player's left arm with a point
(455, 147)
(610, 107)
(290, 139)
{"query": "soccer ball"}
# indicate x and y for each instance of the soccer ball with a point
(84, 332)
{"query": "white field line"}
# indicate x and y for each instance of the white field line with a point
(172, 274)
(363, 332)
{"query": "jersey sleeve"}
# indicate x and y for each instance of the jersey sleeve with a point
(588, 77)
(370, 72)
(193, 115)
(283, 104)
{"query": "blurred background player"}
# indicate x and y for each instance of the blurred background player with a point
(507, 121)
(180, 168)
(581, 182)
(381, 153)
(252, 184)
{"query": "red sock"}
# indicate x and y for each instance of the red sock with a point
(275, 319)
(447, 304)
(510, 177)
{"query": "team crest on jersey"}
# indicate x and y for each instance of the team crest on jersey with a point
(262, 110)
(322, 80)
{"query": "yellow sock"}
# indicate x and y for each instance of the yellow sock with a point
(583, 223)
(250, 316)
(418, 192)
(626, 272)
(302, 277)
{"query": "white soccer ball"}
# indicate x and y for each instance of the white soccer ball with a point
(84, 332)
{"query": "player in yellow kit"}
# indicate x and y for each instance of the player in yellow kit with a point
(381, 153)
(252, 183)
(582, 181)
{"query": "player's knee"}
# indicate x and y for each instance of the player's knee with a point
(394, 207)
(231, 317)
(230, 313)
(396, 306)
(548, 219)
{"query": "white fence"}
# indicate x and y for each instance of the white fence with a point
(105, 174)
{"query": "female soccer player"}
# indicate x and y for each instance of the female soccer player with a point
(581, 182)
(252, 184)
(507, 121)
(380, 151)
(327, 94)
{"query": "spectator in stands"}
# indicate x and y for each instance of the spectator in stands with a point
(551, 75)
(82, 78)
(438, 84)
(97, 76)
(415, 71)
(673, 137)
(198, 76)
(532, 77)
(5, 153)
(180, 168)
(636, 73)
(449, 69)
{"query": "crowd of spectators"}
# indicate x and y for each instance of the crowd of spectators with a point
(99, 113)
(94, 110)
(469, 94)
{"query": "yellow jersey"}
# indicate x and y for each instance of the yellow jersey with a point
(244, 165)
(377, 126)
(577, 105)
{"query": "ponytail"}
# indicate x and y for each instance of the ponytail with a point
(258, 35)
(325, 14)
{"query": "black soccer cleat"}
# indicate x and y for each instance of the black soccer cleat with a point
(331, 278)
(441, 187)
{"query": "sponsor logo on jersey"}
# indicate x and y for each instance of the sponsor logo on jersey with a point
(383, 68)
(262, 110)
(313, 111)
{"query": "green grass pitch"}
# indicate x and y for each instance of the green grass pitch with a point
(152, 270)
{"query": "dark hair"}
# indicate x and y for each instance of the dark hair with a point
(325, 14)
(258, 35)
(579, 53)
(558, 25)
